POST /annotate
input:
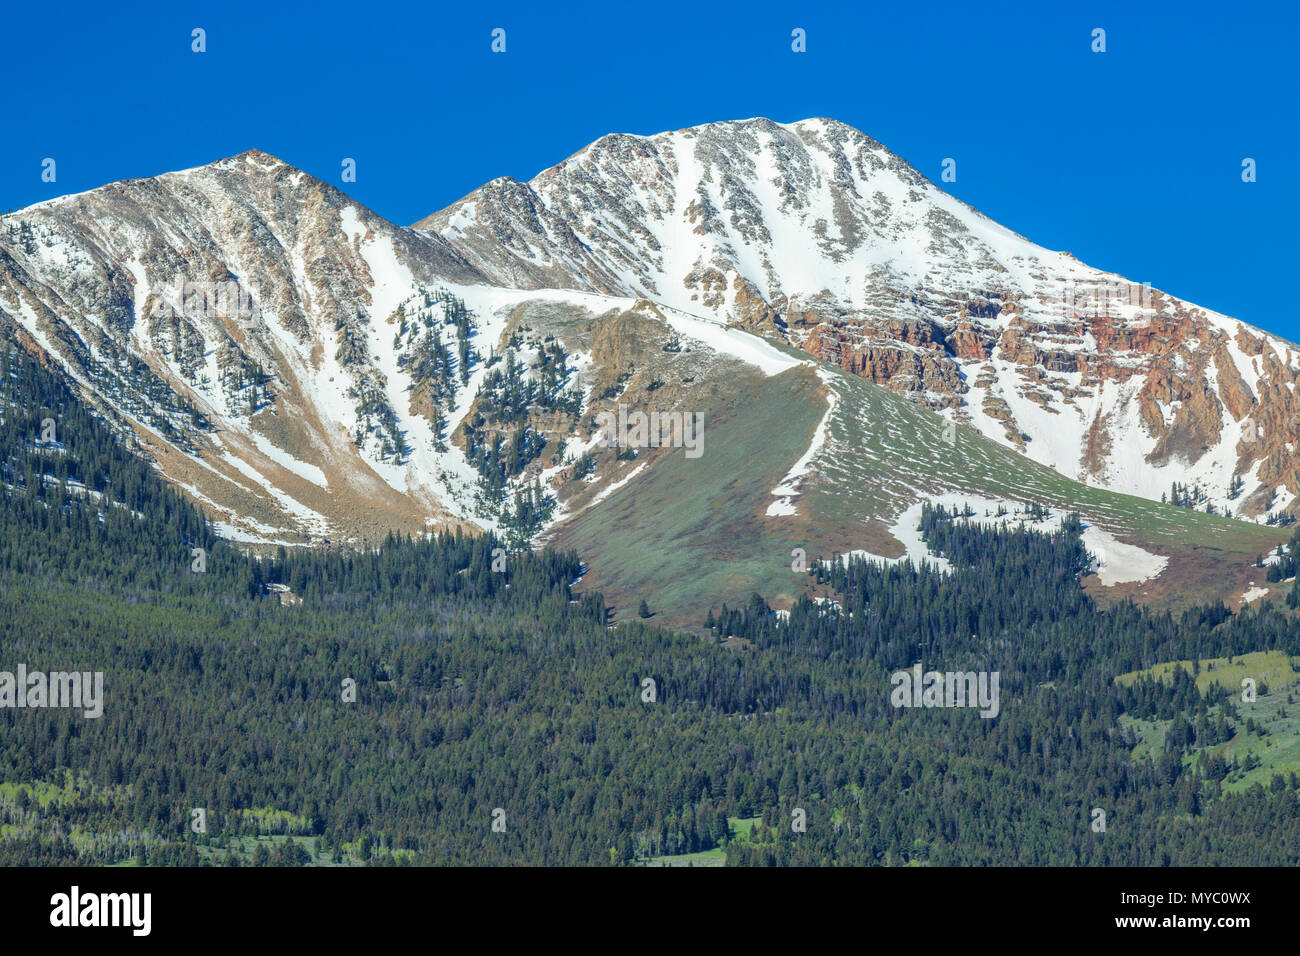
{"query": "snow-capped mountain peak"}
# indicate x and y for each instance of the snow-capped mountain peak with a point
(815, 233)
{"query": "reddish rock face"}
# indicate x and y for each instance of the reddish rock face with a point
(970, 342)
(1188, 388)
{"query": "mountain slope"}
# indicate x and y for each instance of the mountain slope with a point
(817, 235)
(307, 371)
(232, 314)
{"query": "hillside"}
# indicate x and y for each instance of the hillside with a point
(417, 705)
(852, 340)
(815, 234)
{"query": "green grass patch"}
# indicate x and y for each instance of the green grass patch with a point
(1273, 745)
(714, 857)
(742, 828)
(1273, 668)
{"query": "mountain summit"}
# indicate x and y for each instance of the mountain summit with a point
(815, 234)
(223, 314)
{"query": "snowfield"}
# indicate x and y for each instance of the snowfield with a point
(1120, 563)
(1117, 561)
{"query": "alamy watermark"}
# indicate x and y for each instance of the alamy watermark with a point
(208, 300)
(129, 910)
(1101, 298)
(946, 689)
(84, 689)
(653, 430)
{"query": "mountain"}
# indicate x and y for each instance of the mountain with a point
(230, 315)
(817, 235)
(853, 342)
(480, 694)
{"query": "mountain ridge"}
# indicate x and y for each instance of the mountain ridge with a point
(971, 317)
(343, 377)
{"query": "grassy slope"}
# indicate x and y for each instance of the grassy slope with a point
(686, 534)
(741, 831)
(687, 529)
(1277, 749)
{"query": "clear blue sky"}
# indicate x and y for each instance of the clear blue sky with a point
(1130, 159)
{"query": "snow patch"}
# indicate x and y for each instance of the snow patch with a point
(1120, 563)
(789, 486)
(1253, 594)
(610, 489)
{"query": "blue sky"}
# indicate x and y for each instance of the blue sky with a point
(1130, 159)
